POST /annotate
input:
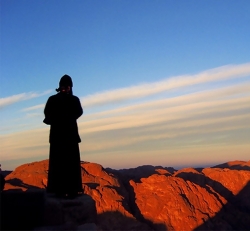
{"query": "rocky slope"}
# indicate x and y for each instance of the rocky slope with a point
(157, 198)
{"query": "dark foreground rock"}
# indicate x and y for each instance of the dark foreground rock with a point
(68, 214)
(37, 210)
(22, 210)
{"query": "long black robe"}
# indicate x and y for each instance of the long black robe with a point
(61, 112)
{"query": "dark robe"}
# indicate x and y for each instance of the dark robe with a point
(61, 112)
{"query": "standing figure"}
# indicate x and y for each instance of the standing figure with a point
(61, 112)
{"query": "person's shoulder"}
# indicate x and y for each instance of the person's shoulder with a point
(75, 97)
(52, 97)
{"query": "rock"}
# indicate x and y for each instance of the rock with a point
(111, 199)
(141, 172)
(63, 227)
(231, 180)
(145, 198)
(105, 189)
(163, 200)
(26, 176)
(70, 211)
(87, 227)
(117, 221)
(235, 165)
(5, 172)
(22, 210)
(95, 175)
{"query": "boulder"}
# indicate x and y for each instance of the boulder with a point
(32, 175)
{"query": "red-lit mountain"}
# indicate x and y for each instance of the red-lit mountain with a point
(156, 198)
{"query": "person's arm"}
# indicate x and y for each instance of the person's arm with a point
(79, 110)
(47, 112)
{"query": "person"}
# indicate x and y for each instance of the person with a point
(61, 112)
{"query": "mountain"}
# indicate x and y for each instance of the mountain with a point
(155, 197)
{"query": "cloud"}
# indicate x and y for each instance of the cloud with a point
(22, 144)
(179, 128)
(39, 106)
(191, 98)
(221, 102)
(177, 82)
(31, 115)
(170, 120)
(6, 101)
(143, 90)
(202, 114)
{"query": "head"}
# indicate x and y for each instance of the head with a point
(65, 85)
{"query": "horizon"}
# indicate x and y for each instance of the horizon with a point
(161, 83)
(180, 167)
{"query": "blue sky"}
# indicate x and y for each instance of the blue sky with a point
(161, 82)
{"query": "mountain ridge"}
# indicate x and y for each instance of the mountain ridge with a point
(156, 197)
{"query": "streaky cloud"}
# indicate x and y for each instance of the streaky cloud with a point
(6, 101)
(147, 89)
(212, 118)
(39, 106)
(191, 98)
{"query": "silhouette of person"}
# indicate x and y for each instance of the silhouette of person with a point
(61, 112)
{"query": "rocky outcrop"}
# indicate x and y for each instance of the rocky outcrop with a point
(174, 202)
(33, 175)
(111, 199)
(235, 165)
(147, 197)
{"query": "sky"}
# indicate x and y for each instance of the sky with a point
(161, 82)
